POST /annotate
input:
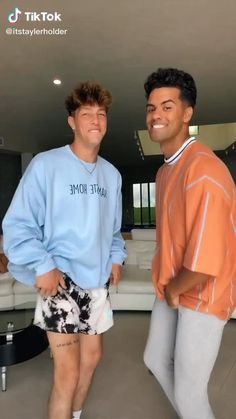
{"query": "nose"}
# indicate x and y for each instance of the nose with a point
(94, 119)
(156, 114)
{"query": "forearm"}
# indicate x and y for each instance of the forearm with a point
(183, 282)
(186, 280)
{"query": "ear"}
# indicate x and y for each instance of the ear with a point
(71, 122)
(188, 113)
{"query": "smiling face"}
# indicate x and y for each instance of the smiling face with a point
(89, 124)
(168, 118)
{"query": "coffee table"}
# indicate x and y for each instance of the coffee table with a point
(20, 340)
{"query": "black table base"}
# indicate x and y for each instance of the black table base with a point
(22, 345)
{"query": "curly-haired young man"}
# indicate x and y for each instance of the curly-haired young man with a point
(194, 269)
(62, 235)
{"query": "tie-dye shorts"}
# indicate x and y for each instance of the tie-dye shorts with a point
(75, 310)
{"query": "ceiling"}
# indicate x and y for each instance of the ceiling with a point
(117, 43)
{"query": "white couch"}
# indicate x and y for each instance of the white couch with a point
(14, 295)
(134, 292)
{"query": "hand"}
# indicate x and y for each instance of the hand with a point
(116, 272)
(49, 284)
(171, 298)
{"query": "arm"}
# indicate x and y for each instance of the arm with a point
(185, 281)
(116, 273)
(23, 229)
(118, 253)
(207, 212)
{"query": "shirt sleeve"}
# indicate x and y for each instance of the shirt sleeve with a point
(118, 252)
(207, 227)
(23, 226)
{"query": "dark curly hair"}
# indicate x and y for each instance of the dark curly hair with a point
(171, 77)
(88, 93)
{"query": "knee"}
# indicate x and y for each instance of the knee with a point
(156, 364)
(66, 377)
(92, 358)
(148, 360)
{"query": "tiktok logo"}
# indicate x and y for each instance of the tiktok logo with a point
(14, 17)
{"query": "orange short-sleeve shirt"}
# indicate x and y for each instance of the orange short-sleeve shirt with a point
(196, 229)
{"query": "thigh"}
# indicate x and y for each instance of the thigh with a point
(162, 332)
(197, 344)
(65, 349)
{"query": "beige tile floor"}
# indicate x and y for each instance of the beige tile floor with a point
(122, 388)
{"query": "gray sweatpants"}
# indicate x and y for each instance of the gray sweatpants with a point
(181, 350)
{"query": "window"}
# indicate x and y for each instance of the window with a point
(144, 203)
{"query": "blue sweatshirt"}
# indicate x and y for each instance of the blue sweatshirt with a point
(65, 214)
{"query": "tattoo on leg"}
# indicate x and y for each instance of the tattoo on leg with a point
(67, 343)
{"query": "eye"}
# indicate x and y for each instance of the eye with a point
(167, 108)
(149, 109)
(102, 114)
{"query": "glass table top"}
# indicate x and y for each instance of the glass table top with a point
(15, 320)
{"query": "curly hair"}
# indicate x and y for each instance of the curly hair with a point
(88, 93)
(172, 77)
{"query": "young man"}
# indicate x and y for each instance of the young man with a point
(62, 235)
(194, 270)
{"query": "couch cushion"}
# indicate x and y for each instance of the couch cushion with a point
(139, 250)
(145, 260)
(113, 289)
(143, 234)
(20, 288)
(6, 275)
(6, 286)
(135, 281)
(6, 291)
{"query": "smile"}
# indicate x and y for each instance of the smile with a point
(158, 126)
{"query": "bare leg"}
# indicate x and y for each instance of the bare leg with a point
(90, 355)
(66, 357)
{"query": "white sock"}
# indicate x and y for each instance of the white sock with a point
(76, 415)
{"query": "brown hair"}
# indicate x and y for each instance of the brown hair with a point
(88, 93)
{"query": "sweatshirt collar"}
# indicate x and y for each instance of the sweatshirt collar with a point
(173, 159)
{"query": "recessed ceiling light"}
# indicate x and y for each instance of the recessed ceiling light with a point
(57, 82)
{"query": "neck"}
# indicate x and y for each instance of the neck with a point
(170, 147)
(87, 154)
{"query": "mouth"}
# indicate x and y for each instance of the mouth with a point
(94, 130)
(157, 126)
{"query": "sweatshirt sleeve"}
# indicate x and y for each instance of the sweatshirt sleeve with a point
(23, 225)
(118, 252)
(207, 227)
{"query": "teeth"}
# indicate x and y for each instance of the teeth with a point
(158, 126)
